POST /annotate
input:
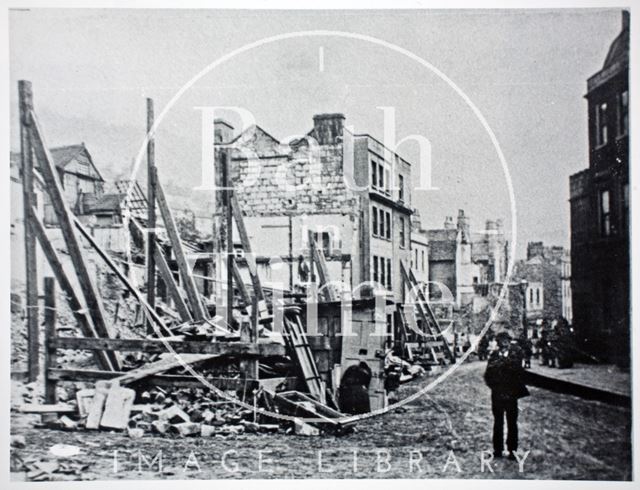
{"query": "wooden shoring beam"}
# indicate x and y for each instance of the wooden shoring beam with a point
(167, 277)
(103, 359)
(246, 246)
(318, 258)
(188, 283)
(161, 366)
(168, 380)
(50, 333)
(151, 212)
(65, 221)
(165, 272)
(155, 346)
(31, 267)
(150, 312)
(244, 293)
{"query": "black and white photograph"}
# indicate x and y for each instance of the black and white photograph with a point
(319, 242)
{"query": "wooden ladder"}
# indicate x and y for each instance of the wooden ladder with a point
(299, 344)
(426, 313)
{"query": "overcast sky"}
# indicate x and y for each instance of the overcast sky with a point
(525, 70)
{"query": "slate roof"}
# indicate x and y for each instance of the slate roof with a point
(63, 155)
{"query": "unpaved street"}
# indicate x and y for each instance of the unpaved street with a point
(437, 436)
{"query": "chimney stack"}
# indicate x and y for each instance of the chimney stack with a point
(449, 224)
(327, 128)
(625, 20)
(222, 131)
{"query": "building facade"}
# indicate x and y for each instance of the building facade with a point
(349, 191)
(464, 262)
(600, 213)
(419, 251)
(548, 293)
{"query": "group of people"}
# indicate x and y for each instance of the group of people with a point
(556, 344)
(552, 344)
(506, 359)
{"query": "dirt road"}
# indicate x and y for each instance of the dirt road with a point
(441, 435)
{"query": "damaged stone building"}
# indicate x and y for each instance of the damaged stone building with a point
(348, 190)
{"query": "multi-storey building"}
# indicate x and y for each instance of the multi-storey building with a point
(419, 251)
(600, 212)
(465, 262)
(548, 293)
(348, 190)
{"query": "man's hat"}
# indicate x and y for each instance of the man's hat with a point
(503, 336)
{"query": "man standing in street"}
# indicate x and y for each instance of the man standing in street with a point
(504, 376)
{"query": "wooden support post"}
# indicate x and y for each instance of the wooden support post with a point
(172, 287)
(230, 253)
(31, 300)
(195, 302)
(219, 234)
(246, 247)
(150, 313)
(79, 312)
(246, 298)
(50, 335)
(151, 212)
(65, 220)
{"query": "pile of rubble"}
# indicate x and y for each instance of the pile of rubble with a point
(180, 412)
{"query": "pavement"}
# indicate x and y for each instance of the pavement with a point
(601, 376)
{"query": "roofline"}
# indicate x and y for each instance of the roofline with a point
(367, 135)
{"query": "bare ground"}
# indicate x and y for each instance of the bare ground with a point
(440, 435)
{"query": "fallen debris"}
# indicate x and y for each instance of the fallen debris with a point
(64, 450)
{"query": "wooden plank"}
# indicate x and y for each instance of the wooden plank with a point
(84, 398)
(97, 405)
(50, 333)
(46, 408)
(169, 281)
(148, 310)
(195, 302)
(161, 366)
(151, 213)
(117, 407)
(65, 220)
(169, 380)
(84, 320)
(31, 268)
(183, 347)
